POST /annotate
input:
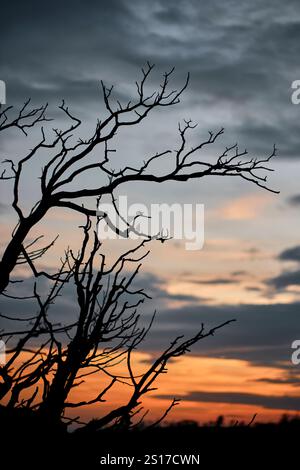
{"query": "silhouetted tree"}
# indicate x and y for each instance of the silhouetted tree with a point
(68, 161)
(49, 357)
(105, 333)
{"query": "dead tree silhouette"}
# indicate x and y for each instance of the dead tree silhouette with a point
(68, 162)
(105, 333)
(48, 358)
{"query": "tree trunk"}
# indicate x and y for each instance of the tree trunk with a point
(14, 248)
(53, 404)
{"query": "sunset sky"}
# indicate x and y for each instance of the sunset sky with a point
(242, 57)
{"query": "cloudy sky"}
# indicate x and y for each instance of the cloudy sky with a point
(242, 58)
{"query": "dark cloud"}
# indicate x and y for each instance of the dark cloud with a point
(293, 380)
(285, 402)
(217, 280)
(284, 280)
(66, 307)
(261, 334)
(156, 288)
(294, 200)
(290, 254)
(242, 57)
(253, 288)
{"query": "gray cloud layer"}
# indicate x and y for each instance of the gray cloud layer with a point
(290, 254)
(266, 401)
(262, 334)
(287, 278)
(242, 57)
